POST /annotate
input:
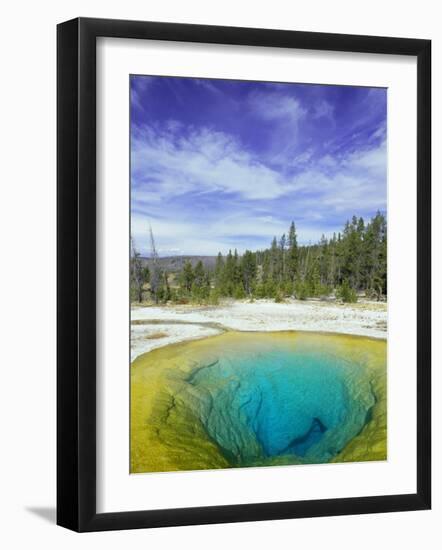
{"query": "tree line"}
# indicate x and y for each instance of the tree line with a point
(351, 262)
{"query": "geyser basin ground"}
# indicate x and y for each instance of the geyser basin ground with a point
(257, 399)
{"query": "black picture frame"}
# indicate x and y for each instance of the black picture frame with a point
(76, 274)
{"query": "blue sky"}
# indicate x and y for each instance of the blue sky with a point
(219, 164)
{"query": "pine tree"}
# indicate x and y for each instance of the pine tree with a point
(187, 277)
(219, 270)
(324, 261)
(351, 261)
(248, 268)
(266, 267)
(313, 278)
(228, 285)
(282, 258)
(275, 262)
(237, 270)
(166, 292)
(201, 282)
(199, 274)
(292, 261)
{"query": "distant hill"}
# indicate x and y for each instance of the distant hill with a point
(173, 264)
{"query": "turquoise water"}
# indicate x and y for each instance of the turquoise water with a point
(281, 403)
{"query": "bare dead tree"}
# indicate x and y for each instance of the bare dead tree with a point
(155, 276)
(136, 272)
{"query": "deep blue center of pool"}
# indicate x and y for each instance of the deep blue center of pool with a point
(262, 405)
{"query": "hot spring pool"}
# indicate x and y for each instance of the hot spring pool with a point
(250, 399)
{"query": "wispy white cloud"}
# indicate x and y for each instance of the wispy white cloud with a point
(221, 164)
(202, 162)
(172, 166)
(171, 172)
(276, 106)
(323, 109)
(139, 87)
(372, 160)
(208, 85)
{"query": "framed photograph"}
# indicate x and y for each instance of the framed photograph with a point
(243, 274)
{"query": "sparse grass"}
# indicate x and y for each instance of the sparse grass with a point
(155, 336)
(363, 306)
